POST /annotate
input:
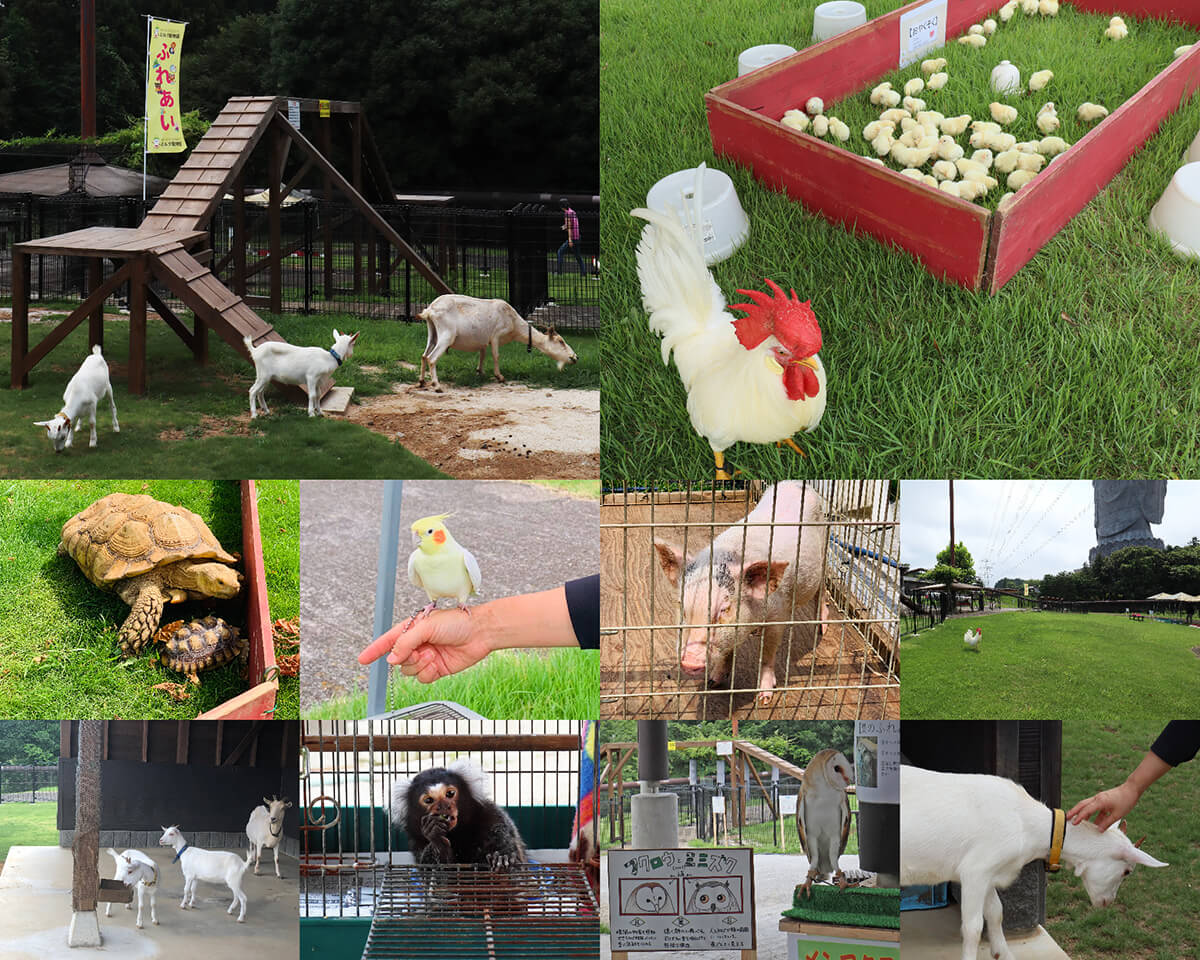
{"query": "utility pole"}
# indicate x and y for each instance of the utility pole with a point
(87, 69)
(952, 541)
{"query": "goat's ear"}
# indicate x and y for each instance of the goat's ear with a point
(1122, 827)
(335, 333)
(266, 802)
(1140, 842)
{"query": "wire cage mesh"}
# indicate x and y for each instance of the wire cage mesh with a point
(354, 862)
(836, 651)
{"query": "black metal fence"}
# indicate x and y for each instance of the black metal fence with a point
(334, 262)
(28, 784)
(756, 825)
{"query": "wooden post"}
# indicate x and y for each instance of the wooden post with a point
(20, 318)
(85, 876)
(96, 320)
(273, 214)
(356, 180)
(137, 327)
(327, 219)
(239, 233)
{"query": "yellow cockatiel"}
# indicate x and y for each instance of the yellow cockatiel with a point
(440, 565)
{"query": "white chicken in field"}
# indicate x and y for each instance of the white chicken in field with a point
(972, 637)
(756, 378)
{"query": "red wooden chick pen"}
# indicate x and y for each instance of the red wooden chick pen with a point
(951, 238)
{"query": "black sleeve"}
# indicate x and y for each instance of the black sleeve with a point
(1178, 743)
(583, 604)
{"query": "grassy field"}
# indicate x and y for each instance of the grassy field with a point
(1083, 365)
(194, 420)
(1154, 917)
(1099, 667)
(506, 686)
(58, 652)
(27, 825)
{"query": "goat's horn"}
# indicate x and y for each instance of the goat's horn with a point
(1140, 842)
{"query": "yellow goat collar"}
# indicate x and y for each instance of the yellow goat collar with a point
(1057, 832)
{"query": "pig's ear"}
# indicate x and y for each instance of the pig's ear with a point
(670, 558)
(762, 578)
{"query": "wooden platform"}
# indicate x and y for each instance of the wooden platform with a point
(111, 242)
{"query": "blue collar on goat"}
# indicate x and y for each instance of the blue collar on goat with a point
(333, 353)
(180, 853)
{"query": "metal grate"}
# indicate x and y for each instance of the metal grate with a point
(434, 710)
(535, 910)
(839, 654)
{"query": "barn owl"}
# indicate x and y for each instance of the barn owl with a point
(823, 815)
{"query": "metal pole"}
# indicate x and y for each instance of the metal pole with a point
(385, 590)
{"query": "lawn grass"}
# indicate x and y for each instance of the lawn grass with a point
(1099, 667)
(1154, 917)
(1087, 67)
(59, 656)
(27, 825)
(507, 685)
(1083, 365)
(193, 421)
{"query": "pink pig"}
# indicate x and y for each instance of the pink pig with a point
(776, 588)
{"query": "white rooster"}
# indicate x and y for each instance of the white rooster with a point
(823, 815)
(972, 637)
(755, 378)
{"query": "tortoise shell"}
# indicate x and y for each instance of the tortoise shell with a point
(125, 535)
(200, 645)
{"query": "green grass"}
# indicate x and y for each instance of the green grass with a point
(27, 825)
(1101, 667)
(507, 685)
(1083, 365)
(193, 421)
(580, 489)
(58, 649)
(1087, 67)
(1154, 917)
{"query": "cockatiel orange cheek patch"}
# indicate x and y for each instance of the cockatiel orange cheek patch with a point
(439, 536)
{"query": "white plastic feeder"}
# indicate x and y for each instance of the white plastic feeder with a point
(723, 224)
(755, 57)
(1005, 79)
(837, 16)
(1177, 213)
(1193, 154)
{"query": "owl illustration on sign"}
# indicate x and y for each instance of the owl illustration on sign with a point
(649, 898)
(713, 896)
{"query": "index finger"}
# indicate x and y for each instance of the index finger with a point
(396, 638)
(1084, 809)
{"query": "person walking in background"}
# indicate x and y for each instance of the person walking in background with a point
(571, 225)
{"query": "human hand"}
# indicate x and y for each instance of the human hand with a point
(1111, 805)
(436, 646)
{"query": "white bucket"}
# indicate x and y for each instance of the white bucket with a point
(724, 225)
(1177, 213)
(837, 16)
(754, 57)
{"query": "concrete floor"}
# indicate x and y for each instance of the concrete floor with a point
(934, 935)
(775, 879)
(35, 912)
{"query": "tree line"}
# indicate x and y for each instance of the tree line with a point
(1134, 573)
(460, 94)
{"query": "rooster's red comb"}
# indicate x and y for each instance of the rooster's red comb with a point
(791, 320)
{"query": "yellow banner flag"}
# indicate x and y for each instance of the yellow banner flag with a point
(164, 129)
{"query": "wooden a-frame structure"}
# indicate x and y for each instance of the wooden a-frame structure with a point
(166, 246)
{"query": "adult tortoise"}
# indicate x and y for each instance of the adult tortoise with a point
(149, 553)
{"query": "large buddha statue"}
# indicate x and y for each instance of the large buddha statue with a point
(1124, 511)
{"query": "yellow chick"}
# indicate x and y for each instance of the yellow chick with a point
(1116, 29)
(932, 65)
(440, 566)
(1039, 80)
(1091, 111)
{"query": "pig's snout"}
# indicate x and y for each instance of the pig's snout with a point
(695, 649)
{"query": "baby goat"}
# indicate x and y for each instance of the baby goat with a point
(214, 866)
(301, 366)
(979, 831)
(84, 391)
(265, 827)
(137, 870)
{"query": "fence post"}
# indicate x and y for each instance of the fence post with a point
(33, 784)
(308, 255)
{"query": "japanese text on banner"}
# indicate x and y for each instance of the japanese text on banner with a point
(163, 126)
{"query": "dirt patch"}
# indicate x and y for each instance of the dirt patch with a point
(496, 430)
(239, 426)
(43, 315)
(1196, 651)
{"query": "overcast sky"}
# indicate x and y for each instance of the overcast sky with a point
(1022, 528)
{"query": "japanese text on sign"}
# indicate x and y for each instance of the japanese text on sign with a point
(688, 899)
(164, 129)
(921, 30)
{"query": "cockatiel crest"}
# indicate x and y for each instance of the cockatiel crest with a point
(823, 815)
(793, 324)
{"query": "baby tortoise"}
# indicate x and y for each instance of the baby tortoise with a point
(189, 648)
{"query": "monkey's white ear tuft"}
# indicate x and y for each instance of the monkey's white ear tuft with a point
(474, 774)
(400, 800)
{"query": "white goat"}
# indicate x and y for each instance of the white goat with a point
(137, 870)
(467, 323)
(84, 391)
(213, 866)
(265, 827)
(979, 831)
(301, 366)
